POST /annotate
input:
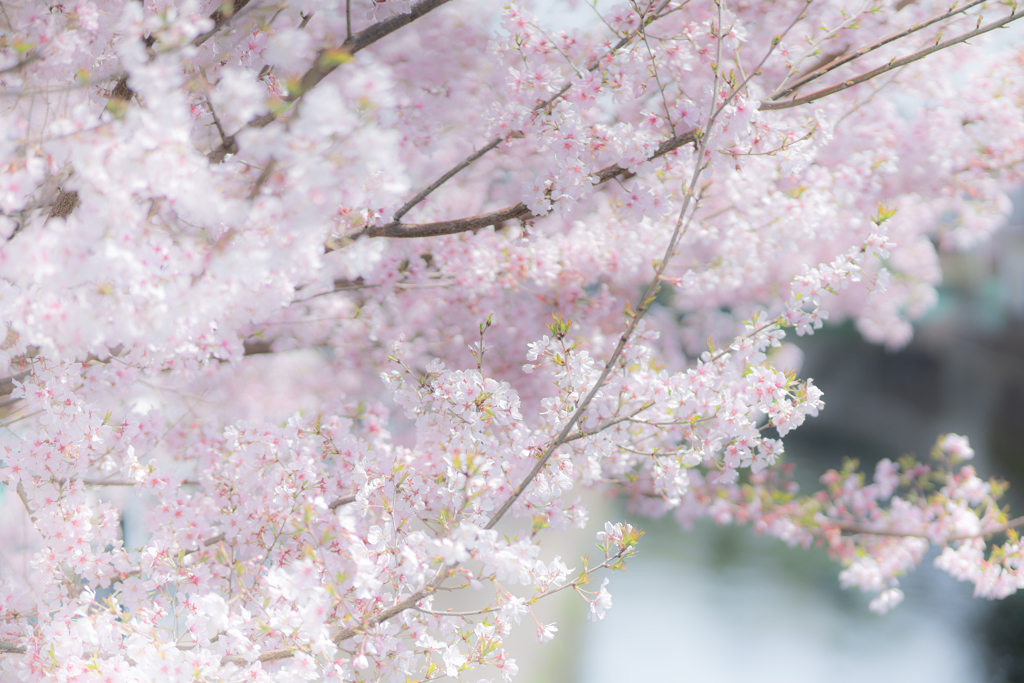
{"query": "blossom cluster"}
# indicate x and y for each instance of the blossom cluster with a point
(311, 316)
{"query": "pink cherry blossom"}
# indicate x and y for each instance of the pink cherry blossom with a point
(315, 312)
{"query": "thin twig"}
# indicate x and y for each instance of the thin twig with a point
(654, 69)
(227, 141)
(610, 423)
(6, 425)
(817, 45)
(549, 592)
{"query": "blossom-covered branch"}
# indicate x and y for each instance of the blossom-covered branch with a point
(518, 212)
(240, 439)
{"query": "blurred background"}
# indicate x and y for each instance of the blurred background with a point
(720, 604)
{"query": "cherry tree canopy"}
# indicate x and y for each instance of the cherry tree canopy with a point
(339, 304)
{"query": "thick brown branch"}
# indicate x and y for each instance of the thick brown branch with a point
(894, 64)
(121, 91)
(7, 647)
(257, 347)
(519, 211)
(452, 227)
(120, 96)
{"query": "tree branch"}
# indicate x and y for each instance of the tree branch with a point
(341, 501)
(268, 656)
(519, 210)
(213, 540)
(262, 179)
(610, 423)
(851, 56)
(409, 602)
(894, 64)
(408, 206)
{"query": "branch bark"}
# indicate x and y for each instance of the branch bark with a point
(65, 204)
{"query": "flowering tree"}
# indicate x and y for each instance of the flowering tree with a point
(317, 311)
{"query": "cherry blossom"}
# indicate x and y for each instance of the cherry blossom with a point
(314, 313)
